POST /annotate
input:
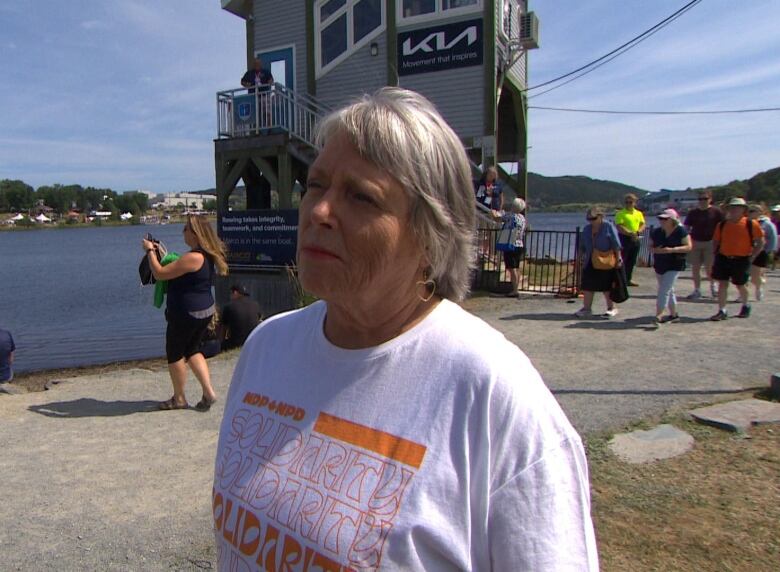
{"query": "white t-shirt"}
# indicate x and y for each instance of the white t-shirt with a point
(439, 450)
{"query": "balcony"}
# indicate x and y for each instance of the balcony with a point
(267, 110)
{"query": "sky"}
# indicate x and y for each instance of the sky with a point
(122, 94)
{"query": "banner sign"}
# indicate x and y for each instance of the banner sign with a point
(244, 110)
(260, 237)
(443, 47)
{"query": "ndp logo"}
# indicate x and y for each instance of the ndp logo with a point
(437, 41)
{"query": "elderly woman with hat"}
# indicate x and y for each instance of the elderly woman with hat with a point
(383, 427)
(670, 243)
(599, 236)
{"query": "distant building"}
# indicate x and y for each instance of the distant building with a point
(190, 201)
(681, 201)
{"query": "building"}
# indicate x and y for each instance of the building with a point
(469, 57)
(188, 201)
(681, 201)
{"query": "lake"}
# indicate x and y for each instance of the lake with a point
(72, 297)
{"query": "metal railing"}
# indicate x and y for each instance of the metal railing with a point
(261, 110)
(550, 265)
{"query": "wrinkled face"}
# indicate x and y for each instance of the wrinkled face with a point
(354, 239)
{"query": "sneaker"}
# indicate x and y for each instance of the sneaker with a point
(610, 313)
(744, 312)
(670, 319)
(720, 316)
(583, 313)
(760, 294)
(695, 295)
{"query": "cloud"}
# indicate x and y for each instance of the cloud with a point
(93, 25)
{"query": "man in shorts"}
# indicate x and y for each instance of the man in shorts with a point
(701, 223)
(736, 242)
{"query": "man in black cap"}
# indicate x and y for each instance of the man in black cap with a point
(239, 317)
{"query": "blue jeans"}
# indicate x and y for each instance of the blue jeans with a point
(666, 297)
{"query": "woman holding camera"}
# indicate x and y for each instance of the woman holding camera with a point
(190, 306)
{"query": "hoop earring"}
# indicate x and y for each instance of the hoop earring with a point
(427, 284)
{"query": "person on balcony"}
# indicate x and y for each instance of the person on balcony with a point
(258, 75)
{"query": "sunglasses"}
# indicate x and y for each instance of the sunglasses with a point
(591, 218)
(704, 198)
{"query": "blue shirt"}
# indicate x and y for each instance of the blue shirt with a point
(6, 347)
(770, 234)
(606, 238)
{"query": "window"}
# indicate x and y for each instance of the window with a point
(431, 9)
(506, 21)
(344, 26)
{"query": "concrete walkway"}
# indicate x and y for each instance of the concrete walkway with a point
(94, 478)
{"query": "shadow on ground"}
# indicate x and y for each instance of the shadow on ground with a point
(87, 407)
(652, 391)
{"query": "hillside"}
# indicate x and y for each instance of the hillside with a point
(554, 192)
(763, 187)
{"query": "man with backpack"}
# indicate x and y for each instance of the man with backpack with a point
(737, 241)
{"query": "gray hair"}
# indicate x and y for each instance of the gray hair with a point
(403, 133)
(518, 205)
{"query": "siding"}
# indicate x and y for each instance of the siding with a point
(360, 73)
(517, 73)
(458, 94)
(282, 23)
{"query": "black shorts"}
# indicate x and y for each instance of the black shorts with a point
(762, 260)
(512, 258)
(596, 280)
(183, 337)
(734, 268)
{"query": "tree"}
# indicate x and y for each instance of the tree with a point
(210, 205)
(16, 196)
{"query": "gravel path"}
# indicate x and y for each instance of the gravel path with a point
(94, 478)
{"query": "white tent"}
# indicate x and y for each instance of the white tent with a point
(126, 216)
(42, 218)
(19, 216)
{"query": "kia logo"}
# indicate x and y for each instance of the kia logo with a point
(469, 34)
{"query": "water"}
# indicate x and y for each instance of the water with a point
(72, 297)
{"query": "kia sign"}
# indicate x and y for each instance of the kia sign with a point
(443, 47)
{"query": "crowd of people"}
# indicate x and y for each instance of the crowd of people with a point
(733, 244)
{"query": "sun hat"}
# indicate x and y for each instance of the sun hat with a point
(669, 213)
(737, 202)
(775, 208)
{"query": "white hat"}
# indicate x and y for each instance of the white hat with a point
(775, 208)
(669, 213)
(737, 202)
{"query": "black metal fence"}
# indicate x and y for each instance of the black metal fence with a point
(550, 265)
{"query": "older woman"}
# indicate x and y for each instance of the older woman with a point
(512, 257)
(600, 235)
(383, 427)
(489, 193)
(189, 307)
(669, 243)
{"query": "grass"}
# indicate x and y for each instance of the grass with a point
(716, 508)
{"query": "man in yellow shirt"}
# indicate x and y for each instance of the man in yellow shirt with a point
(630, 223)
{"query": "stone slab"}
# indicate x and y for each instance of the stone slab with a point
(662, 442)
(738, 416)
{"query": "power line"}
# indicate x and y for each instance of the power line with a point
(622, 48)
(615, 112)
